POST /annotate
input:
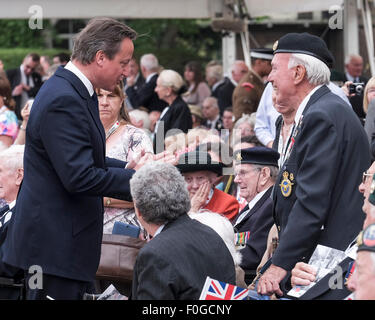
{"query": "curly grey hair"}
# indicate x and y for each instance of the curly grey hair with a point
(159, 192)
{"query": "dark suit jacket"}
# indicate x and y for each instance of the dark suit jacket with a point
(5, 214)
(223, 92)
(174, 265)
(357, 100)
(59, 221)
(330, 153)
(258, 221)
(178, 116)
(145, 96)
(14, 77)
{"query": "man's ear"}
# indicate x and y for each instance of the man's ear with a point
(299, 74)
(19, 176)
(100, 58)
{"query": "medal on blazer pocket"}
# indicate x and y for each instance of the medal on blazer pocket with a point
(286, 184)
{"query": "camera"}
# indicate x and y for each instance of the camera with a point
(356, 88)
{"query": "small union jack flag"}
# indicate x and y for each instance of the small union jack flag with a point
(217, 290)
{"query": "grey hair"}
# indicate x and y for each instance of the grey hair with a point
(150, 62)
(12, 157)
(317, 72)
(249, 118)
(171, 79)
(160, 193)
(212, 101)
(104, 34)
(141, 115)
(274, 171)
(349, 57)
(214, 71)
(223, 228)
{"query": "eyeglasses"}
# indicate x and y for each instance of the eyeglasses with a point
(365, 174)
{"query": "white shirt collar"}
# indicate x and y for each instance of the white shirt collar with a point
(303, 104)
(150, 76)
(12, 204)
(73, 68)
(159, 230)
(251, 205)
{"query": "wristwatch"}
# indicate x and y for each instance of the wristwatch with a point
(108, 202)
(366, 239)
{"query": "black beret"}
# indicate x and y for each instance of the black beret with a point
(262, 53)
(304, 43)
(257, 155)
(198, 161)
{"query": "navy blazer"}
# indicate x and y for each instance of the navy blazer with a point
(330, 153)
(174, 265)
(145, 96)
(223, 92)
(258, 221)
(59, 221)
(178, 117)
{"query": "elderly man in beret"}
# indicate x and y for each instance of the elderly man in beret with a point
(256, 170)
(323, 153)
(201, 174)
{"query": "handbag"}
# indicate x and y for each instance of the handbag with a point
(118, 257)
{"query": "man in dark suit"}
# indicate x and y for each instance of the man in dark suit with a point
(221, 88)
(59, 221)
(211, 113)
(25, 82)
(183, 252)
(353, 73)
(134, 77)
(145, 96)
(256, 170)
(324, 151)
(11, 175)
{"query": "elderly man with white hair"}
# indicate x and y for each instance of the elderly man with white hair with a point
(144, 96)
(11, 175)
(324, 152)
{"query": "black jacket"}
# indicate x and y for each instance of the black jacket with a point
(145, 96)
(174, 265)
(14, 77)
(330, 153)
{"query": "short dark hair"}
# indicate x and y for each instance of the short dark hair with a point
(252, 139)
(63, 57)
(104, 34)
(229, 109)
(34, 57)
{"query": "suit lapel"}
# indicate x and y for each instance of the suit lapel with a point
(92, 102)
(316, 96)
(256, 207)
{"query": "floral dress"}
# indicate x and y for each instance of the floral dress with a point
(129, 146)
(8, 123)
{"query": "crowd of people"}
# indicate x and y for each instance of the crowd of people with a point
(237, 175)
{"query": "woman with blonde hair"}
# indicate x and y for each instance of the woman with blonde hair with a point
(176, 117)
(369, 109)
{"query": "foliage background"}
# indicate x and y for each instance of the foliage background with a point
(173, 41)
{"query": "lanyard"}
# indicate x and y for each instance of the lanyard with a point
(112, 130)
